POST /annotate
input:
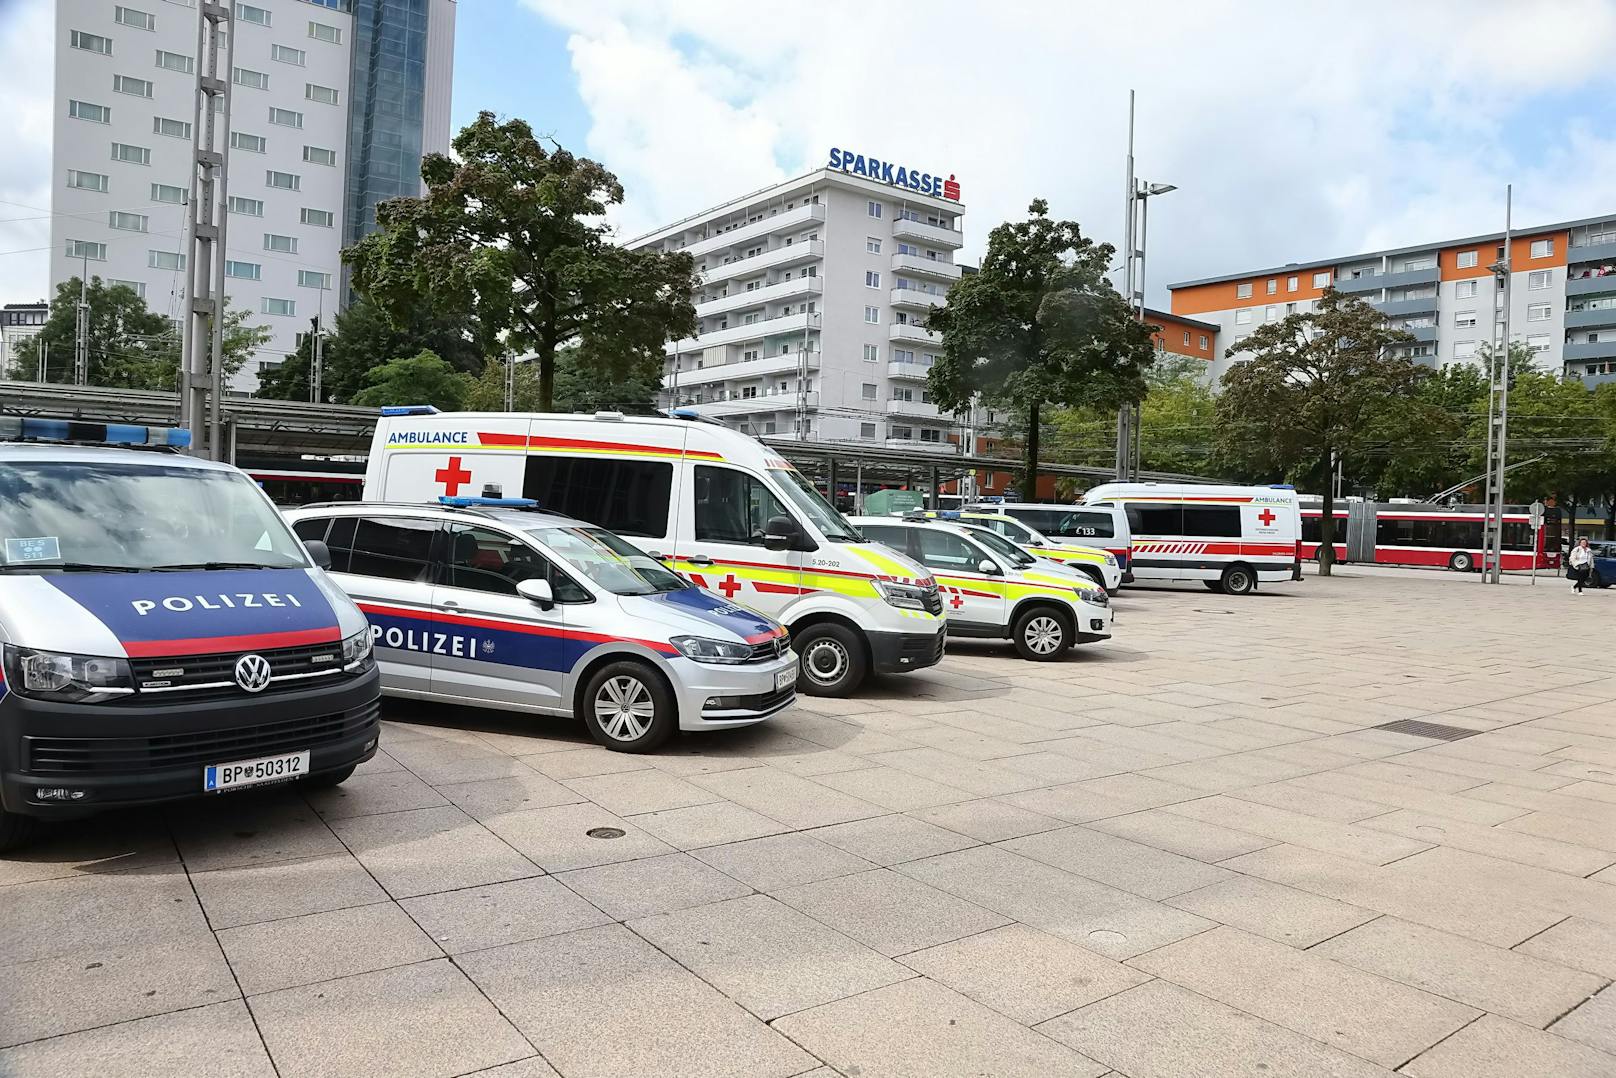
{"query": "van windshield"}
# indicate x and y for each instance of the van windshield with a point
(812, 505)
(62, 516)
(608, 561)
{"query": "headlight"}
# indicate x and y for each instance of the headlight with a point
(356, 649)
(1097, 596)
(705, 650)
(903, 596)
(47, 675)
(1110, 559)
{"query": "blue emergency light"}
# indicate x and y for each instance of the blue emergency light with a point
(409, 409)
(36, 429)
(465, 501)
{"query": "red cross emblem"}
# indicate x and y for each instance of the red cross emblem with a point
(453, 477)
(955, 601)
(729, 586)
(1266, 516)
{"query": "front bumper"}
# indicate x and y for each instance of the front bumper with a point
(121, 755)
(713, 696)
(1093, 622)
(897, 653)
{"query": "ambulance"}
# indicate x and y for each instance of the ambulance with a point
(163, 634)
(1231, 538)
(1098, 565)
(718, 507)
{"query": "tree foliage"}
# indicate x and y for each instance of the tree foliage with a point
(513, 234)
(424, 378)
(1177, 418)
(1039, 324)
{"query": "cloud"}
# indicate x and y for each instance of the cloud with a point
(26, 29)
(1293, 131)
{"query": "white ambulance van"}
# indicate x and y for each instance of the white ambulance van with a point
(716, 506)
(1230, 538)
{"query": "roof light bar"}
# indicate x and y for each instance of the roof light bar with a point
(469, 502)
(36, 429)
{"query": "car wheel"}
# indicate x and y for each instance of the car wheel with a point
(628, 708)
(327, 779)
(831, 660)
(1597, 581)
(1041, 633)
(1239, 580)
(1461, 562)
(15, 830)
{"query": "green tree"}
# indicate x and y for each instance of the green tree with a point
(1557, 438)
(514, 234)
(1318, 386)
(423, 378)
(1177, 418)
(1039, 324)
(579, 386)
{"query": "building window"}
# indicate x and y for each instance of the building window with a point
(286, 245)
(872, 279)
(1464, 319)
(1464, 349)
(1203, 342)
(1538, 280)
(1321, 280)
(252, 143)
(285, 117)
(316, 155)
(325, 95)
(246, 271)
(1273, 285)
(868, 391)
(311, 279)
(1542, 248)
(1242, 317)
(286, 308)
(128, 84)
(85, 110)
(95, 252)
(1468, 259)
(87, 181)
(867, 431)
(174, 61)
(135, 18)
(872, 245)
(1290, 284)
(1242, 291)
(872, 315)
(128, 222)
(285, 181)
(1186, 338)
(1465, 289)
(90, 42)
(871, 353)
(1537, 342)
(1538, 312)
(133, 155)
(137, 287)
(904, 433)
(255, 15)
(253, 80)
(873, 209)
(1271, 313)
(319, 31)
(162, 125)
(164, 192)
(165, 260)
(288, 55)
(249, 207)
(319, 218)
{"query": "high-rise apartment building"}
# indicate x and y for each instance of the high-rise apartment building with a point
(1562, 296)
(812, 305)
(332, 104)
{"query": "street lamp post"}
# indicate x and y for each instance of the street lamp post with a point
(1133, 278)
(1498, 412)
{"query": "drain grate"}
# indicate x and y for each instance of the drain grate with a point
(1435, 730)
(605, 832)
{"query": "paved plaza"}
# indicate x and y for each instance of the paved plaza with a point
(1191, 852)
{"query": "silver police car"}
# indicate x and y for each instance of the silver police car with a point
(495, 603)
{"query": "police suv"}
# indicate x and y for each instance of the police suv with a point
(495, 603)
(163, 634)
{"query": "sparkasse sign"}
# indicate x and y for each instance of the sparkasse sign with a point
(873, 168)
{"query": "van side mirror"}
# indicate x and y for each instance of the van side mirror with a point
(782, 533)
(319, 553)
(537, 591)
(989, 568)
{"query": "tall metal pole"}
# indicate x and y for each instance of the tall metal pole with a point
(1125, 413)
(317, 353)
(81, 327)
(1495, 504)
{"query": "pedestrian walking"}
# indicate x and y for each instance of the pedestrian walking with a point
(1581, 560)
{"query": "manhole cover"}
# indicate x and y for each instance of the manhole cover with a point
(1435, 730)
(605, 832)
(1107, 938)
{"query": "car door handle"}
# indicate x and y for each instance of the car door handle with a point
(449, 604)
(700, 559)
(656, 554)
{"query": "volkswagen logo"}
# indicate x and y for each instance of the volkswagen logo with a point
(252, 673)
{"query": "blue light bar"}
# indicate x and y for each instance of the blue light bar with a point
(72, 430)
(409, 409)
(468, 502)
(1281, 486)
(684, 413)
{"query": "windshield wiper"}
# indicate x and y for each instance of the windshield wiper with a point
(68, 567)
(180, 567)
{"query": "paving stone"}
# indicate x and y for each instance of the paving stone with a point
(1578, 943)
(251, 893)
(1356, 841)
(768, 864)
(1453, 806)
(766, 956)
(499, 913)
(443, 764)
(1369, 1016)
(988, 819)
(90, 846)
(665, 1021)
(1524, 884)
(1181, 835)
(1509, 983)
(919, 1029)
(982, 779)
(426, 1019)
(573, 763)
(483, 799)
(1295, 797)
(1286, 914)
(426, 850)
(1493, 1046)
(1577, 830)
(897, 791)
(889, 913)
(1095, 799)
(531, 1067)
(271, 826)
(1160, 1030)
(323, 946)
(1481, 771)
(791, 799)
(366, 795)
(887, 840)
(1023, 973)
(652, 885)
(1131, 866)
(217, 1040)
(706, 825)
(1494, 842)
(557, 838)
(630, 792)
(1559, 803)
(1593, 1023)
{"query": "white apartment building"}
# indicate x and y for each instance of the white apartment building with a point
(333, 103)
(812, 306)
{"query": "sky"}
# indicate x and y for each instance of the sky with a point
(1293, 131)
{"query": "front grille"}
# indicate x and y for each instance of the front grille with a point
(770, 649)
(929, 649)
(180, 676)
(933, 600)
(195, 748)
(760, 702)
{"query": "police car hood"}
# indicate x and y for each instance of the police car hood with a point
(695, 612)
(180, 613)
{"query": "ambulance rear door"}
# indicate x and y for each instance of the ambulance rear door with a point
(466, 454)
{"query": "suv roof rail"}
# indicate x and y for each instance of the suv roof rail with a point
(477, 510)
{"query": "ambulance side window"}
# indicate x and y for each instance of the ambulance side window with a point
(1156, 519)
(1215, 520)
(396, 548)
(629, 497)
(733, 507)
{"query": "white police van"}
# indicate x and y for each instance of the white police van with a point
(721, 509)
(495, 603)
(163, 634)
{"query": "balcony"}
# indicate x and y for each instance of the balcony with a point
(1387, 280)
(1590, 286)
(921, 231)
(753, 331)
(797, 286)
(790, 254)
(910, 333)
(772, 402)
(1392, 308)
(920, 266)
(914, 297)
(792, 362)
(1589, 380)
(924, 447)
(917, 409)
(1423, 334)
(1593, 319)
(1584, 350)
(787, 221)
(913, 372)
(1593, 252)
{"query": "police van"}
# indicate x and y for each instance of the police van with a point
(1098, 565)
(1228, 537)
(494, 602)
(1100, 527)
(163, 634)
(721, 509)
(992, 588)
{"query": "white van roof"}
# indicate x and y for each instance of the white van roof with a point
(1280, 492)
